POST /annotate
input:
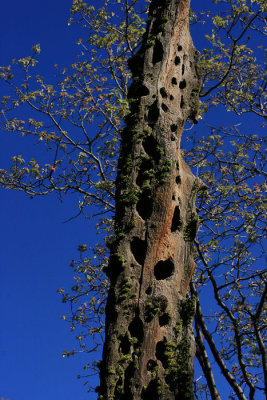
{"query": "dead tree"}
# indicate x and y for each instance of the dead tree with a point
(149, 346)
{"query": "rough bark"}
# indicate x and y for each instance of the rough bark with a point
(149, 346)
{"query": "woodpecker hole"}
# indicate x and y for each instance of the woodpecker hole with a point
(164, 269)
(138, 248)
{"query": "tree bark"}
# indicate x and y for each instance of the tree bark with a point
(149, 347)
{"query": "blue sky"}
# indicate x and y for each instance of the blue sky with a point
(36, 246)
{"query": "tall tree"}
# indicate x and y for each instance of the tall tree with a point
(149, 345)
(81, 120)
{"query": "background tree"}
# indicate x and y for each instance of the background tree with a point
(232, 214)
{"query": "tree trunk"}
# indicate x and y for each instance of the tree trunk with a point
(149, 347)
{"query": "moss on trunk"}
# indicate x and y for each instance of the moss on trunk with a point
(149, 346)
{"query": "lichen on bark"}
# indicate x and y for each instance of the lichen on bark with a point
(149, 346)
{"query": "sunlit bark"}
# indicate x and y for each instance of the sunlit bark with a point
(149, 347)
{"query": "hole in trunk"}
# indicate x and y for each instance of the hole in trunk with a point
(163, 92)
(150, 146)
(144, 206)
(164, 269)
(176, 220)
(152, 392)
(177, 60)
(180, 48)
(138, 248)
(149, 290)
(174, 81)
(174, 127)
(157, 52)
(138, 90)
(182, 84)
(160, 352)
(136, 328)
(178, 179)
(153, 113)
(164, 107)
(164, 319)
(125, 345)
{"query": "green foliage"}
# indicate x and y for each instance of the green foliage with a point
(80, 100)
(125, 287)
(177, 375)
(190, 229)
(233, 69)
(152, 308)
(164, 170)
(230, 244)
(187, 311)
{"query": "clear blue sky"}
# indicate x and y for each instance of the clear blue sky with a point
(36, 247)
